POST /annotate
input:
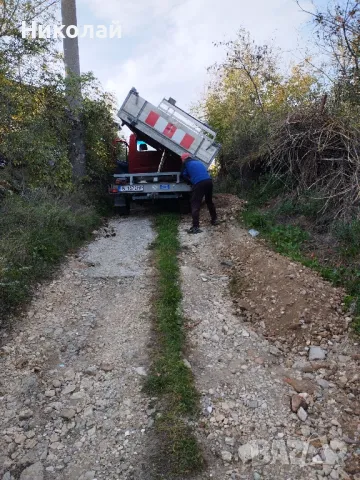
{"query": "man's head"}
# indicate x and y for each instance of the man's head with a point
(185, 156)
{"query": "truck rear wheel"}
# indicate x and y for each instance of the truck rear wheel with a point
(122, 205)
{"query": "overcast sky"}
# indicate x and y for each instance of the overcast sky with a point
(167, 45)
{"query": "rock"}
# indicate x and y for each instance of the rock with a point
(305, 431)
(34, 472)
(88, 476)
(230, 441)
(337, 445)
(257, 476)
(297, 402)
(302, 414)
(69, 375)
(6, 476)
(90, 370)
(187, 364)
(247, 452)
(141, 371)
(323, 383)
(107, 367)
(328, 456)
(67, 413)
(19, 439)
(317, 353)
(56, 384)
(274, 351)
(69, 389)
(50, 393)
(227, 263)
(25, 414)
(226, 456)
(301, 386)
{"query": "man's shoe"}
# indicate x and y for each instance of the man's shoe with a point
(215, 223)
(194, 230)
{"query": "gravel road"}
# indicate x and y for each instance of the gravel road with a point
(71, 405)
(276, 366)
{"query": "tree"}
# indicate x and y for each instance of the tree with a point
(248, 95)
(338, 33)
(72, 67)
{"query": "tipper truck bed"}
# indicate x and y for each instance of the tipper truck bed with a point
(160, 136)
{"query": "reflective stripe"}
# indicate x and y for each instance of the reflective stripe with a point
(169, 130)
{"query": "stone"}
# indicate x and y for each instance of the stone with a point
(90, 370)
(329, 457)
(69, 389)
(107, 367)
(34, 472)
(6, 476)
(67, 413)
(323, 383)
(19, 439)
(230, 441)
(305, 431)
(302, 414)
(317, 353)
(337, 445)
(247, 452)
(296, 402)
(301, 386)
(226, 456)
(25, 414)
(50, 393)
(141, 371)
(56, 384)
(187, 363)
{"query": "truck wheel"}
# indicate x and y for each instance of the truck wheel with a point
(124, 207)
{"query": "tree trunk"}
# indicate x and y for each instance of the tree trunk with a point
(72, 67)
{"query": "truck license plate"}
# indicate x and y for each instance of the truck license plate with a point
(164, 187)
(132, 188)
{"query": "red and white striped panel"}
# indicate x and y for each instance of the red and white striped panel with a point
(169, 130)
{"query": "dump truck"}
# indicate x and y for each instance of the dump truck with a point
(160, 135)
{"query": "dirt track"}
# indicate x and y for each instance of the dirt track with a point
(71, 371)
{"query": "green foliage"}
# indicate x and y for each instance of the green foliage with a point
(170, 377)
(248, 95)
(348, 233)
(36, 230)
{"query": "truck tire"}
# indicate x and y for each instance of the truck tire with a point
(123, 209)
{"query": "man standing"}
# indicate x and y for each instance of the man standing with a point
(195, 171)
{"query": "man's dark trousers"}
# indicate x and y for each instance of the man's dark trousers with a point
(199, 190)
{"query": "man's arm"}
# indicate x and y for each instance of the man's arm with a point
(185, 173)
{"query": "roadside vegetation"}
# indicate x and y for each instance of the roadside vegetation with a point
(44, 210)
(171, 379)
(291, 143)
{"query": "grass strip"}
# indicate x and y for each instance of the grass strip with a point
(170, 378)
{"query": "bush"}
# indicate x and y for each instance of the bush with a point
(36, 230)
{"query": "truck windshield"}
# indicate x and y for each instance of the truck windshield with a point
(144, 147)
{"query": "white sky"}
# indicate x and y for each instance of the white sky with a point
(167, 45)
